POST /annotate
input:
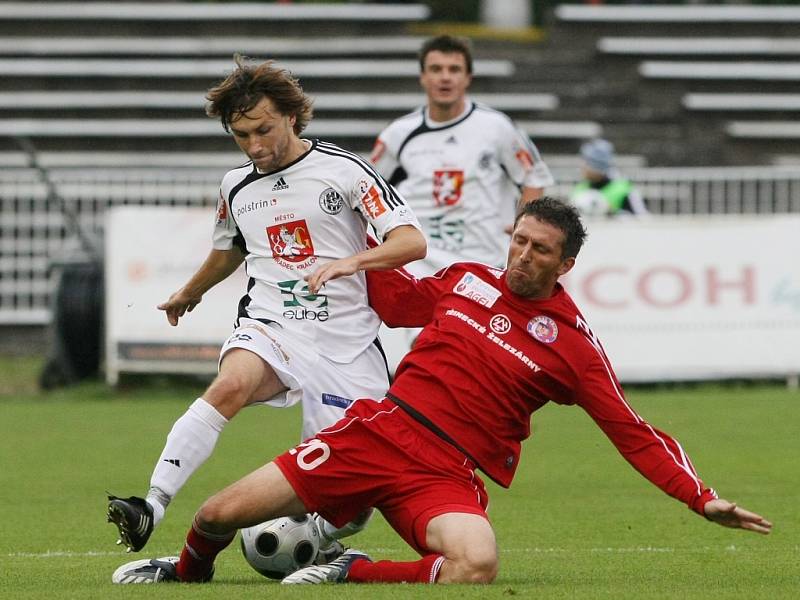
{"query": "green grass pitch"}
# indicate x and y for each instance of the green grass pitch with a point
(577, 523)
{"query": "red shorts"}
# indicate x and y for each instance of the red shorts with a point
(378, 456)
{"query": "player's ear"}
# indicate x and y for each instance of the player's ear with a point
(566, 266)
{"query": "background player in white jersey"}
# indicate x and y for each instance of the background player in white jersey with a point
(459, 163)
(297, 213)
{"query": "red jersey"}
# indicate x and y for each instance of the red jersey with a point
(488, 358)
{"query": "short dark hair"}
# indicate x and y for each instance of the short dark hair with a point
(560, 215)
(248, 84)
(447, 44)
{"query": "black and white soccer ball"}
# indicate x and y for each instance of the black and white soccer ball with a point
(281, 546)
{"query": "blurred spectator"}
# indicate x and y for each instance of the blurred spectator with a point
(603, 192)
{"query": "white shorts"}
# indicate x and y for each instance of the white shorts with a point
(325, 388)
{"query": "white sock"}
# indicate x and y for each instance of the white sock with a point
(158, 508)
(189, 444)
(329, 533)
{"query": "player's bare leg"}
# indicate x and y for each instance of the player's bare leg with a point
(262, 495)
(463, 550)
(244, 378)
(468, 544)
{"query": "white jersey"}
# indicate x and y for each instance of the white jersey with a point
(462, 178)
(291, 221)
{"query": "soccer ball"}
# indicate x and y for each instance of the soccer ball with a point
(281, 546)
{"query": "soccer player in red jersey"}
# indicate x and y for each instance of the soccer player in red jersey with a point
(497, 345)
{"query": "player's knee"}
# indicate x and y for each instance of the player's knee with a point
(228, 394)
(214, 515)
(477, 565)
(481, 566)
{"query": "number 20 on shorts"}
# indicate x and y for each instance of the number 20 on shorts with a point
(311, 454)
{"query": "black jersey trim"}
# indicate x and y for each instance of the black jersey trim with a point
(504, 169)
(424, 128)
(393, 199)
(379, 346)
(245, 301)
(398, 177)
(428, 424)
(252, 176)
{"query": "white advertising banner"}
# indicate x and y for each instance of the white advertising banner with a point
(150, 253)
(693, 298)
(670, 298)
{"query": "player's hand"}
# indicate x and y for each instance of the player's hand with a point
(178, 305)
(332, 270)
(728, 514)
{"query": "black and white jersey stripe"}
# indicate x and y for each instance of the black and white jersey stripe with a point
(393, 199)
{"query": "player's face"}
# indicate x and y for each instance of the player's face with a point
(265, 135)
(534, 258)
(444, 78)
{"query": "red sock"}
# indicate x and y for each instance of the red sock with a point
(425, 570)
(199, 552)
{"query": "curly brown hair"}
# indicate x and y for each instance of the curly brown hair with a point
(248, 84)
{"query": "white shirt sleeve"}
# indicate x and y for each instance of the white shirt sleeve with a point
(521, 159)
(225, 229)
(381, 204)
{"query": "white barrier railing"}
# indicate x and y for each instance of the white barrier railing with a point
(37, 229)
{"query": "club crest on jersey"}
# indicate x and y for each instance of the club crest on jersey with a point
(543, 329)
(447, 186)
(476, 289)
(291, 241)
(222, 210)
(331, 201)
(372, 203)
(500, 324)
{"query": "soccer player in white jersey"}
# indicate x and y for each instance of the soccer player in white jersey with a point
(297, 214)
(459, 163)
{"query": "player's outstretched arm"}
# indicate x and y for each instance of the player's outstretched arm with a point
(218, 265)
(402, 245)
(728, 514)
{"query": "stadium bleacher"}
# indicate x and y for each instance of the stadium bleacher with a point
(742, 102)
(642, 14)
(211, 69)
(177, 11)
(192, 100)
(210, 46)
(734, 70)
(111, 95)
(699, 46)
(691, 68)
